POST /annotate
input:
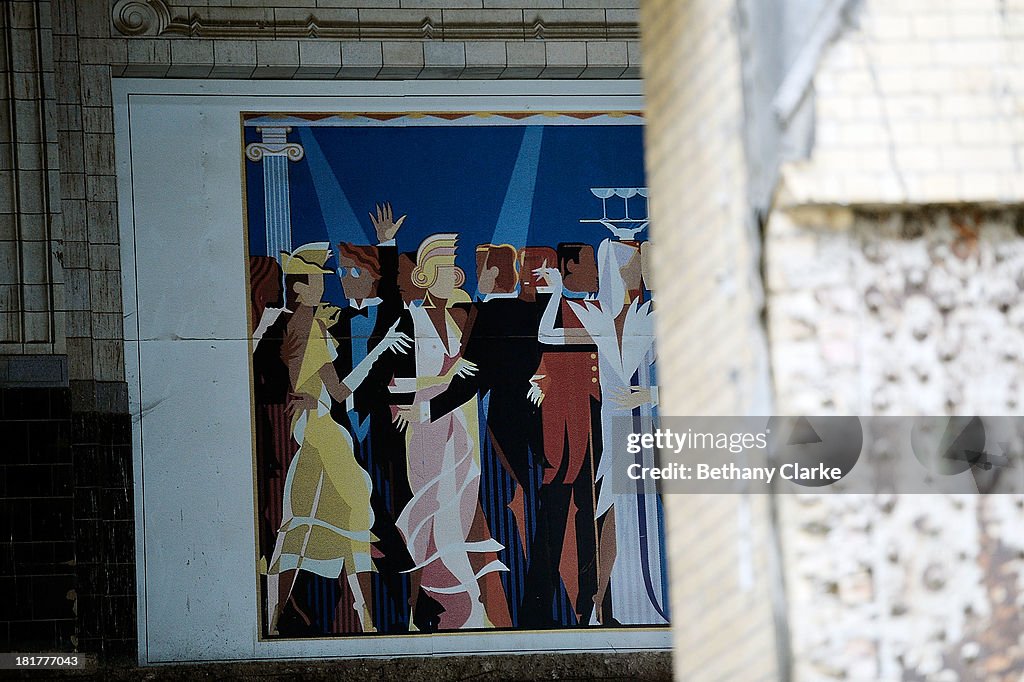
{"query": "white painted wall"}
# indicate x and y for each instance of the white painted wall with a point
(179, 163)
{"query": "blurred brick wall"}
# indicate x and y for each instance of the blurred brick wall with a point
(894, 274)
(918, 102)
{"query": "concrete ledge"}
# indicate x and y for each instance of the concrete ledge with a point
(645, 665)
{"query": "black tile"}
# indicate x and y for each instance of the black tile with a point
(60, 403)
(122, 432)
(119, 617)
(49, 441)
(19, 517)
(14, 442)
(92, 579)
(121, 547)
(32, 558)
(103, 425)
(122, 649)
(40, 635)
(7, 604)
(114, 504)
(84, 429)
(52, 519)
(50, 597)
(21, 604)
(27, 403)
(121, 579)
(6, 559)
(88, 547)
(66, 631)
(8, 509)
(29, 480)
(87, 464)
(64, 554)
(90, 615)
(87, 503)
(117, 463)
(63, 480)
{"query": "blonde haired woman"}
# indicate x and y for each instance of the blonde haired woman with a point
(443, 526)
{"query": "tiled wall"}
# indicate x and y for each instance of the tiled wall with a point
(66, 527)
(58, 60)
(37, 548)
(30, 228)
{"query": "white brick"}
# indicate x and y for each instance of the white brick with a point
(318, 59)
(443, 60)
(525, 60)
(233, 58)
(565, 59)
(606, 59)
(401, 59)
(360, 60)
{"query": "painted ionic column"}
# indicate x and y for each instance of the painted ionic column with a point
(275, 151)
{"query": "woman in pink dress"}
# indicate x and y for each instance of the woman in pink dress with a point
(443, 525)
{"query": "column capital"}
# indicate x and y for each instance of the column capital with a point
(275, 143)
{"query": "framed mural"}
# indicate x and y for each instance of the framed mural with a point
(449, 316)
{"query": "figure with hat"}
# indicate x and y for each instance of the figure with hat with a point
(327, 516)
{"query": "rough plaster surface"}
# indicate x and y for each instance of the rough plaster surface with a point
(915, 312)
(897, 313)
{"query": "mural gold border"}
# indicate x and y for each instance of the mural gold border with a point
(488, 632)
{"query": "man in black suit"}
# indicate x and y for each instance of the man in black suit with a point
(369, 278)
(501, 341)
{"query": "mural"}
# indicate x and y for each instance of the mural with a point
(449, 317)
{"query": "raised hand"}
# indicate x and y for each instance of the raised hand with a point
(408, 414)
(384, 223)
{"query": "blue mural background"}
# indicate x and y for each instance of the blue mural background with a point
(454, 179)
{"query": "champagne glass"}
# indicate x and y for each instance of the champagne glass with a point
(603, 193)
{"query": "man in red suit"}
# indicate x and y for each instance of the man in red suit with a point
(567, 386)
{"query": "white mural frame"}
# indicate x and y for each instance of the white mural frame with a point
(180, 209)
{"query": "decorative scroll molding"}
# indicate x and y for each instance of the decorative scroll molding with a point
(136, 17)
(141, 17)
(255, 151)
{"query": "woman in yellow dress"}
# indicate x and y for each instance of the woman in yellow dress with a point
(326, 516)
